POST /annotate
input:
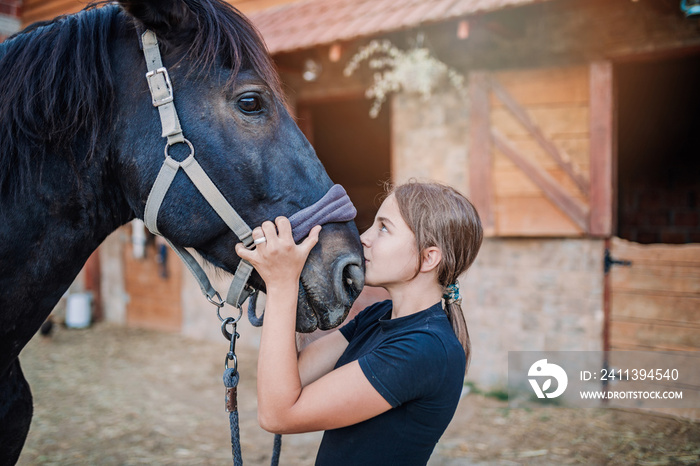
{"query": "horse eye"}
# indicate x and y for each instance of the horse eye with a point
(250, 104)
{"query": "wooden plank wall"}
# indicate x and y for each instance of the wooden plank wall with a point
(655, 302)
(655, 306)
(557, 101)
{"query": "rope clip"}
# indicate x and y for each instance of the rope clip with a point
(231, 336)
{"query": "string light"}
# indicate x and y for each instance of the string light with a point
(334, 53)
(463, 29)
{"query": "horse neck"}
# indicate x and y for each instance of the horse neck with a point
(66, 212)
(47, 234)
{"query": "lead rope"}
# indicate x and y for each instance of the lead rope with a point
(231, 377)
(253, 318)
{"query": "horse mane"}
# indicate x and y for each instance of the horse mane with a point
(58, 86)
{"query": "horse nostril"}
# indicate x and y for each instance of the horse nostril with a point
(354, 280)
(348, 278)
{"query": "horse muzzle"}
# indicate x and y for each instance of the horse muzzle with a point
(332, 278)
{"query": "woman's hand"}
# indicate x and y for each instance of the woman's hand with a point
(278, 260)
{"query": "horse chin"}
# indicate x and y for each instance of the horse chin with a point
(307, 321)
(314, 313)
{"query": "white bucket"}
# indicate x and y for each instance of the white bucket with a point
(78, 310)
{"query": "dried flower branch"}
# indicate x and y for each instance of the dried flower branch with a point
(412, 71)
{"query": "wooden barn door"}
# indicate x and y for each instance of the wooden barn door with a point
(654, 288)
(654, 305)
(655, 297)
(154, 293)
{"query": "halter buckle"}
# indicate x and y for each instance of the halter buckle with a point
(159, 83)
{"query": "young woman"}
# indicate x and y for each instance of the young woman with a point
(384, 386)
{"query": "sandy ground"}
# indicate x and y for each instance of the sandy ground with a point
(115, 396)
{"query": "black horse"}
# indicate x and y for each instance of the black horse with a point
(81, 145)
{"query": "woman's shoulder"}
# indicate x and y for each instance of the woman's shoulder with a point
(435, 339)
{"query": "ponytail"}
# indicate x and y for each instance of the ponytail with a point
(453, 309)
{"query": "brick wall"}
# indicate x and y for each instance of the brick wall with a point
(10, 12)
(532, 295)
(429, 138)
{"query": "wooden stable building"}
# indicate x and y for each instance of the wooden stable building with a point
(574, 132)
(575, 135)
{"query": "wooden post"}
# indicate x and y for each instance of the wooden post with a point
(603, 154)
(480, 161)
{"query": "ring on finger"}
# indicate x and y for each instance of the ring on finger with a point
(260, 240)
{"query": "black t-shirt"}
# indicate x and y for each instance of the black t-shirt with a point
(417, 364)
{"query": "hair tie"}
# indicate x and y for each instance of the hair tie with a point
(452, 294)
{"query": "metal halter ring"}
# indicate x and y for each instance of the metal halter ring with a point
(219, 303)
(186, 141)
(233, 319)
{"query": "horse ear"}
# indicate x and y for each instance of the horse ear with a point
(164, 17)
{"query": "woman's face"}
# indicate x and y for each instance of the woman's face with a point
(391, 256)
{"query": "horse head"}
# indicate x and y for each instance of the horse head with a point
(232, 111)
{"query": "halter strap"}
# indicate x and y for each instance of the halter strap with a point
(162, 97)
(161, 88)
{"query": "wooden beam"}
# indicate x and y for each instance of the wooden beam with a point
(480, 162)
(572, 207)
(560, 157)
(602, 157)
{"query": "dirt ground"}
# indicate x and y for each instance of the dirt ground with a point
(109, 395)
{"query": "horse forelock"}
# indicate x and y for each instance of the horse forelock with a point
(57, 82)
(223, 33)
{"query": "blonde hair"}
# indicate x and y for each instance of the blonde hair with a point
(439, 216)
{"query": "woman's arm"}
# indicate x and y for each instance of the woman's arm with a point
(320, 356)
(341, 397)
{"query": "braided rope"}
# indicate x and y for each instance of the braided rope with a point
(276, 449)
(231, 377)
